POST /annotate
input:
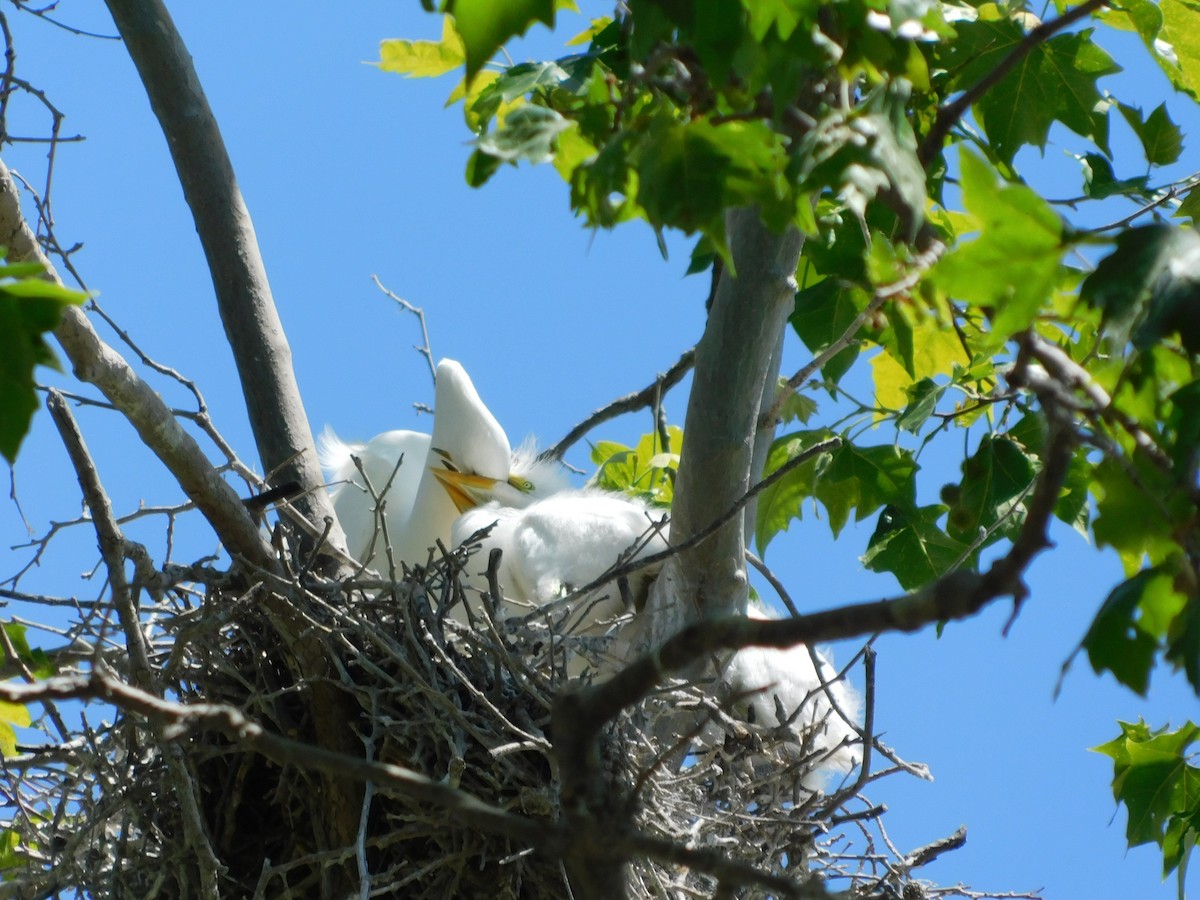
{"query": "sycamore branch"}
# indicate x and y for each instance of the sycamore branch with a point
(733, 360)
(252, 325)
(950, 113)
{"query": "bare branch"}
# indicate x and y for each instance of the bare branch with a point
(96, 362)
(648, 396)
(423, 348)
(256, 336)
(112, 542)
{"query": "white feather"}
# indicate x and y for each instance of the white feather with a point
(760, 676)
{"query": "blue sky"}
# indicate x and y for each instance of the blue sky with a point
(350, 172)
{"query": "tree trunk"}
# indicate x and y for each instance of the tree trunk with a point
(736, 364)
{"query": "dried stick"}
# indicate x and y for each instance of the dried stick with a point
(648, 396)
(112, 541)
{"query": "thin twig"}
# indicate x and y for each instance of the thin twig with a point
(423, 348)
(920, 264)
(642, 399)
(112, 542)
(653, 559)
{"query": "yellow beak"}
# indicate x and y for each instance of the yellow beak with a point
(466, 491)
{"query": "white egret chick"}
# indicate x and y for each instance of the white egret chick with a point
(768, 681)
(393, 463)
(555, 540)
(417, 510)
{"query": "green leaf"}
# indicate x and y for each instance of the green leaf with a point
(1168, 29)
(528, 133)
(423, 59)
(11, 714)
(911, 546)
(689, 173)
(823, 313)
(1154, 778)
(1174, 305)
(1183, 428)
(923, 398)
(993, 477)
(480, 167)
(1183, 646)
(33, 657)
(783, 501)
(1122, 520)
(1120, 284)
(9, 842)
(1054, 81)
(1162, 141)
(1013, 265)
(1118, 640)
(797, 407)
(485, 25)
(601, 187)
(867, 153)
(646, 471)
(1099, 180)
(28, 309)
(875, 475)
(891, 382)
(1190, 207)
(1072, 505)
(782, 15)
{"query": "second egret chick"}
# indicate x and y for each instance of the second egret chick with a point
(782, 688)
(554, 541)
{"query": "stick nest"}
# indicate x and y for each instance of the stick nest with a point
(128, 809)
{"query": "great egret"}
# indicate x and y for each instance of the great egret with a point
(776, 688)
(553, 541)
(401, 467)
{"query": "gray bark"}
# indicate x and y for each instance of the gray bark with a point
(736, 365)
(252, 325)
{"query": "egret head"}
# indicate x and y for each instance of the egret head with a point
(465, 433)
(529, 479)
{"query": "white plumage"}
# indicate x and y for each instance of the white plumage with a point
(393, 463)
(554, 540)
(564, 541)
(767, 681)
(417, 511)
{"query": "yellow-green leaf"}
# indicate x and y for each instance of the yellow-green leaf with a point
(891, 383)
(423, 59)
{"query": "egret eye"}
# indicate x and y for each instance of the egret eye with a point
(524, 485)
(445, 459)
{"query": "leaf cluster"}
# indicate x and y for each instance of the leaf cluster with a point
(1155, 777)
